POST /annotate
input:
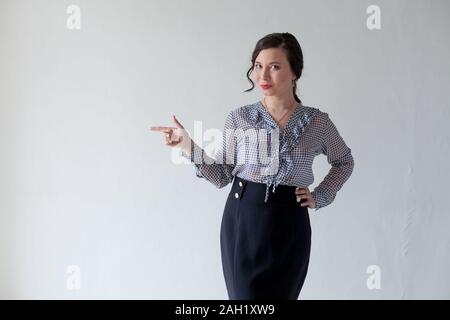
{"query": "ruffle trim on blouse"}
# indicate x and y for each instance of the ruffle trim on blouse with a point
(261, 119)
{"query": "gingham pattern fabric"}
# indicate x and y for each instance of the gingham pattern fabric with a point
(308, 133)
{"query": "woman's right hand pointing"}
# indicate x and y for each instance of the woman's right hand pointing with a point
(176, 136)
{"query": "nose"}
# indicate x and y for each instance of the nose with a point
(265, 74)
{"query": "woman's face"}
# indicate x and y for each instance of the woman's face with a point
(272, 68)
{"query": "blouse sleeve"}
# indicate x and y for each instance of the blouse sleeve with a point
(217, 171)
(340, 157)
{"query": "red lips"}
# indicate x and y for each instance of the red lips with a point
(266, 86)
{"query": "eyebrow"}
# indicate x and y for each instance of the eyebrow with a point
(269, 63)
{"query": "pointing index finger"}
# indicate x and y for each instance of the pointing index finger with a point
(162, 129)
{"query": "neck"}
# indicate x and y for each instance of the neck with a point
(280, 104)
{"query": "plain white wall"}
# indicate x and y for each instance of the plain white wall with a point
(84, 182)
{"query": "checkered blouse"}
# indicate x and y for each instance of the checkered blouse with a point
(250, 134)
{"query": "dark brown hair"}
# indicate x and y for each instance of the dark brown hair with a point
(293, 51)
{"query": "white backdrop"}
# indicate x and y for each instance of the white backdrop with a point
(84, 183)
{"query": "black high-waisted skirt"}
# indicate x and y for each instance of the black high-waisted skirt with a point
(265, 246)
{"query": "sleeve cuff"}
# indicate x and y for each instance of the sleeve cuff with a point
(191, 158)
(317, 200)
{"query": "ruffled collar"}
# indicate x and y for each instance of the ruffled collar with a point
(260, 117)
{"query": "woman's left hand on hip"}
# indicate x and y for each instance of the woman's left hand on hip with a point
(304, 193)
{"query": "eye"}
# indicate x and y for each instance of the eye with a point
(276, 67)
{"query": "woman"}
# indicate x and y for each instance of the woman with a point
(265, 235)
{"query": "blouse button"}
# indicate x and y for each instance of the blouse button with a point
(236, 195)
(240, 184)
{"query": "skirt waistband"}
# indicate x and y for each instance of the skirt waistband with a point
(255, 192)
